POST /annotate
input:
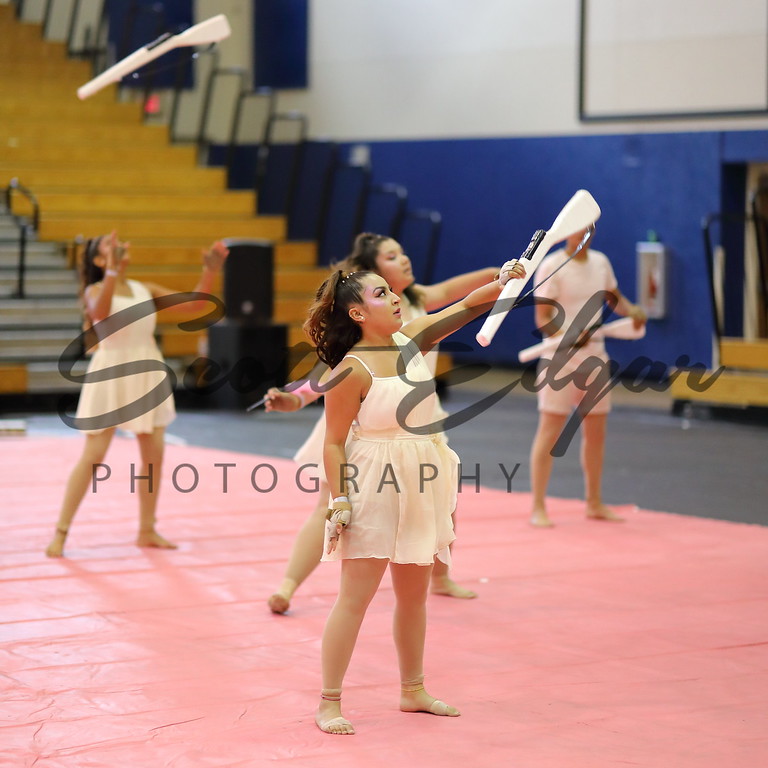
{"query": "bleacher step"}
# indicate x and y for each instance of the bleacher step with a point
(731, 389)
(46, 377)
(744, 355)
(75, 180)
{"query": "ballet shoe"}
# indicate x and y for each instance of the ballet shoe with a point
(448, 587)
(278, 603)
(540, 520)
(151, 538)
(604, 513)
(337, 725)
(280, 600)
(413, 690)
(56, 547)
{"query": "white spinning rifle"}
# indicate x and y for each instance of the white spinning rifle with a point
(618, 329)
(579, 213)
(206, 32)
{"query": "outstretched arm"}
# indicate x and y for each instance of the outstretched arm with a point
(429, 330)
(295, 396)
(213, 261)
(98, 296)
(448, 291)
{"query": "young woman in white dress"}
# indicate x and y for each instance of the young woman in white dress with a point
(392, 485)
(138, 400)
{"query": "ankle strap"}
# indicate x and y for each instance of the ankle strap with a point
(62, 531)
(331, 694)
(411, 686)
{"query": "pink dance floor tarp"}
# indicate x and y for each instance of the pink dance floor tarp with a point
(590, 645)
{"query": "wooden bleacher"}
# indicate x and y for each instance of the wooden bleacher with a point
(94, 166)
(743, 383)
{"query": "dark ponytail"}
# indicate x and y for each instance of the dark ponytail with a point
(89, 274)
(365, 251)
(329, 326)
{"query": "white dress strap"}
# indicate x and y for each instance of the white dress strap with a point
(355, 357)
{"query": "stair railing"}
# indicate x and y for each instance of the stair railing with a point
(24, 227)
(265, 93)
(715, 287)
(435, 222)
(265, 148)
(400, 195)
(215, 73)
(759, 205)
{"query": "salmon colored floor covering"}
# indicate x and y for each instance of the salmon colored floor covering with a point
(590, 645)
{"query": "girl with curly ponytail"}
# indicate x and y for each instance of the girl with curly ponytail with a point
(384, 510)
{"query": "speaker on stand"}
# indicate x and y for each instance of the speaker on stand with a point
(249, 352)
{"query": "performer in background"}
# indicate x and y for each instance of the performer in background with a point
(106, 291)
(568, 284)
(385, 256)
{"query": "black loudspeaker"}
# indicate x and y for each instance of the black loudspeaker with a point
(245, 361)
(248, 280)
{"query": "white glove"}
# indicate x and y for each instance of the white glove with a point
(339, 516)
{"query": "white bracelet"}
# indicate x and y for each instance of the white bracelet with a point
(111, 273)
(341, 498)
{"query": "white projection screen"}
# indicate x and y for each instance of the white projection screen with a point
(673, 58)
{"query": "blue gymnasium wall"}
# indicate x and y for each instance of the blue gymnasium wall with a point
(494, 193)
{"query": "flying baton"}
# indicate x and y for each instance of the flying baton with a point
(578, 213)
(209, 31)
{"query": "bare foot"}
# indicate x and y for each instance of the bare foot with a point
(154, 539)
(330, 719)
(601, 512)
(278, 603)
(421, 701)
(540, 519)
(56, 547)
(444, 585)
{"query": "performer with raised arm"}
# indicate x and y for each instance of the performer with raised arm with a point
(118, 397)
(393, 484)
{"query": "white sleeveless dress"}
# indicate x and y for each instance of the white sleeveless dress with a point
(405, 486)
(136, 401)
(310, 454)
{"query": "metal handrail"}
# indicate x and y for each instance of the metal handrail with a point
(262, 155)
(761, 237)
(325, 196)
(435, 220)
(339, 165)
(46, 18)
(267, 93)
(216, 72)
(400, 193)
(89, 48)
(16, 185)
(178, 87)
(709, 252)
